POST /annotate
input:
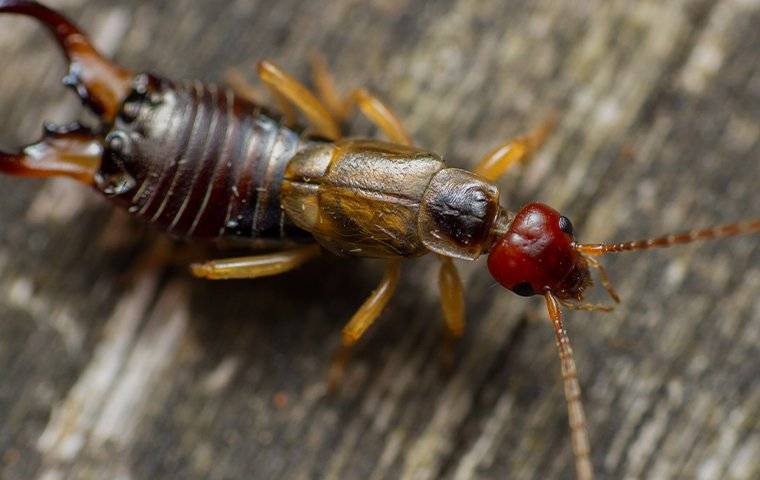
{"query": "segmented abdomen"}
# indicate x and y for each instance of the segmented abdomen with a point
(199, 162)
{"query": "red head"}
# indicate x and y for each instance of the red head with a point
(537, 254)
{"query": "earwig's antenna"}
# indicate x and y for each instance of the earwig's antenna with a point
(576, 416)
(739, 228)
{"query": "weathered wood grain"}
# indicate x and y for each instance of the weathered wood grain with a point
(173, 377)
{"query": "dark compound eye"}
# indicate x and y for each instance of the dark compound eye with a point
(565, 225)
(524, 289)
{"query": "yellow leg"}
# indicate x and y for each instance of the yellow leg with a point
(289, 90)
(450, 286)
(452, 304)
(498, 160)
(237, 82)
(363, 319)
(325, 86)
(380, 115)
(370, 106)
(255, 266)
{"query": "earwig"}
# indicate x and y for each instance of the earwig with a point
(201, 161)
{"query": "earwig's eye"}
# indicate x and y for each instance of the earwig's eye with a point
(566, 225)
(524, 289)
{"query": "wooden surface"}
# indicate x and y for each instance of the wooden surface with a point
(174, 377)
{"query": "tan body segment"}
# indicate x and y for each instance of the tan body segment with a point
(360, 197)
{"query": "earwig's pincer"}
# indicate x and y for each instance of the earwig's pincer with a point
(73, 151)
(100, 83)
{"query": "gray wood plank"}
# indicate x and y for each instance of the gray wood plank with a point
(169, 376)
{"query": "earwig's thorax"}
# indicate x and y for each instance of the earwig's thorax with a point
(458, 213)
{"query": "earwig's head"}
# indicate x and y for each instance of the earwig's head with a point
(537, 253)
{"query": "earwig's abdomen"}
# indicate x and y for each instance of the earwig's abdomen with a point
(199, 162)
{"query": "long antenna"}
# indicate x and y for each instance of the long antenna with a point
(576, 416)
(739, 228)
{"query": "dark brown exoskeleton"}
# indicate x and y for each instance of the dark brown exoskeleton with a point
(201, 161)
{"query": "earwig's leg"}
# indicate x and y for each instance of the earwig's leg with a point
(325, 85)
(498, 160)
(379, 114)
(363, 319)
(371, 107)
(237, 82)
(255, 266)
(449, 283)
(234, 79)
(579, 436)
(452, 303)
(63, 152)
(283, 86)
(604, 277)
